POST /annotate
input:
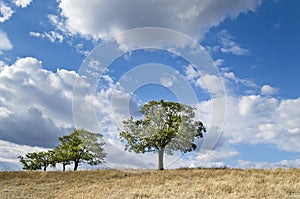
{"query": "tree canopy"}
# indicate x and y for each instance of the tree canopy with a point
(80, 146)
(166, 127)
(37, 160)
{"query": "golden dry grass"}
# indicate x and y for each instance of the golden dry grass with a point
(182, 183)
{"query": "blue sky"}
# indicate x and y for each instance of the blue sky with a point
(251, 47)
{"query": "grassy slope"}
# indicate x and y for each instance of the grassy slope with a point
(191, 183)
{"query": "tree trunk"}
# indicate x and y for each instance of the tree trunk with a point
(45, 168)
(76, 163)
(161, 159)
(64, 166)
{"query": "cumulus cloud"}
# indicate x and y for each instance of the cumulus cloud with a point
(167, 80)
(5, 43)
(209, 82)
(30, 128)
(219, 62)
(106, 17)
(251, 118)
(36, 108)
(255, 104)
(268, 90)
(9, 153)
(5, 12)
(22, 3)
(35, 103)
(229, 46)
(52, 36)
(223, 80)
(216, 157)
(254, 118)
(231, 77)
(257, 119)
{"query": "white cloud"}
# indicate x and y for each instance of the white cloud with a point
(36, 103)
(5, 43)
(216, 157)
(281, 164)
(255, 104)
(229, 46)
(30, 128)
(212, 82)
(209, 82)
(36, 108)
(219, 62)
(5, 12)
(35, 34)
(224, 80)
(230, 76)
(268, 90)
(167, 80)
(52, 36)
(22, 3)
(102, 18)
(256, 119)
(9, 153)
(41, 101)
(4, 112)
(252, 118)
(2, 64)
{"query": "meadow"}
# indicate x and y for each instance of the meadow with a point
(179, 183)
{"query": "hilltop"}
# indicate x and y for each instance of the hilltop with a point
(180, 183)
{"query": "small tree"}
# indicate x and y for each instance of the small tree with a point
(30, 161)
(37, 160)
(80, 146)
(61, 155)
(46, 158)
(166, 127)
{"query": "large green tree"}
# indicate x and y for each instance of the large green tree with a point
(80, 146)
(37, 160)
(165, 128)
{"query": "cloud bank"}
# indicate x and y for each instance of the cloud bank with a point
(107, 17)
(36, 108)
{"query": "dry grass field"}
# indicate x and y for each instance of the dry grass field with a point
(181, 183)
